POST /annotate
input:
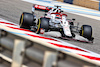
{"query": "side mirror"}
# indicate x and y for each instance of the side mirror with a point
(45, 14)
(73, 19)
(62, 11)
(71, 23)
(49, 8)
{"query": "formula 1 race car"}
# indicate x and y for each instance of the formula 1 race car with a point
(56, 24)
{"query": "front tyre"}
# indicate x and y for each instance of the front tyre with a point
(43, 23)
(26, 20)
(86, 32)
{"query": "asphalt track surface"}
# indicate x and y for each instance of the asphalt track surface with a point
(12, 9)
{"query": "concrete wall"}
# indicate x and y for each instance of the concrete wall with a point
(93, 4)
(87, 3)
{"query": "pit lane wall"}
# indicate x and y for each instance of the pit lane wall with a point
(93, 4)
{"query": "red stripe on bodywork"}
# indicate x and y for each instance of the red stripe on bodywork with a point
(90, 57)
(68, 47)
(42, 7)
(8, 23)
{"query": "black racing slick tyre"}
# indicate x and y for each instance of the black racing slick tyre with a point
(26, 20)
(43, 23)
(86, 31)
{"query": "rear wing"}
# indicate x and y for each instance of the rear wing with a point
(42, 8)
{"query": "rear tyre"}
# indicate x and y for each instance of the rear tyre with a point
(43, 23)
(26, 20)
(86, 32)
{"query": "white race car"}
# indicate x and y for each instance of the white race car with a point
(56, 24)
